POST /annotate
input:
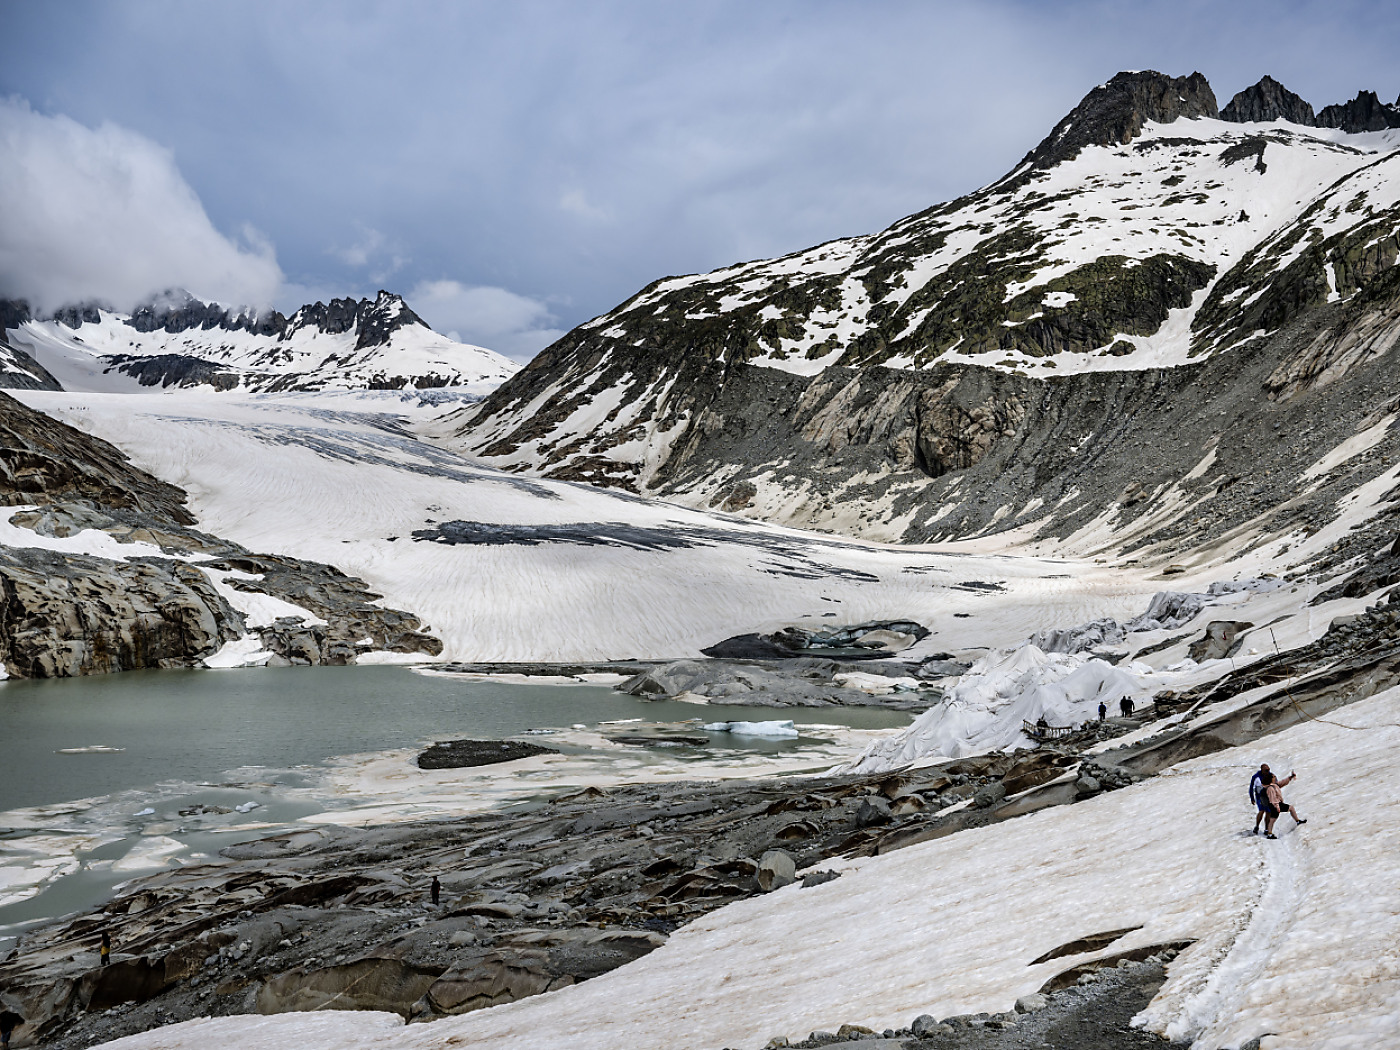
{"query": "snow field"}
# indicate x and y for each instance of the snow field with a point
(1296, 937)
(326, 479)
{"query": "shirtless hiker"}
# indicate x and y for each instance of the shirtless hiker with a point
(1256, 795)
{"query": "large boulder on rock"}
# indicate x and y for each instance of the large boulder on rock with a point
(1220, 640)
(873, 812)
(776, 869)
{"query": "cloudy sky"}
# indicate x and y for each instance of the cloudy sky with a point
(516, 168)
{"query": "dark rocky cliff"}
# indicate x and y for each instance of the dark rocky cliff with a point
(1114, 113)
(1268, 100)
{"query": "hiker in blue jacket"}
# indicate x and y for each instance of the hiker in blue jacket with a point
(1256, 795)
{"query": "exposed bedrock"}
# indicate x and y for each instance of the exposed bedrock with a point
(71, 614)
(64, 614)
(351, 610)
(18, 370)
(44, 461)
(1115, 112)
(1169, 456)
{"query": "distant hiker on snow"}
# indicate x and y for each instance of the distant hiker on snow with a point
(1103, 710)
(1126, 706)
(1256, 794)
(1273, 795)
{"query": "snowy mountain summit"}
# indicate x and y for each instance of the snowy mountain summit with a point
(1153, 240)
(178, 340)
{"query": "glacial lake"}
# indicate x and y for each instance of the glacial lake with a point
(95, 772)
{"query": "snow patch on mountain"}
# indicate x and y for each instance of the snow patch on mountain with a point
(377, 344)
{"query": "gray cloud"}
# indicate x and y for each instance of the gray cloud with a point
(511, 324)
(571, 153)
(103, 213)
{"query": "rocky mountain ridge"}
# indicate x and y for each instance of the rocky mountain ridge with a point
(1162, 317)
(178, 340)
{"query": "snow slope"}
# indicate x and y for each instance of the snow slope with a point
(1295, 940)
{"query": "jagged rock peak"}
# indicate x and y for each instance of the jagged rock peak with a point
(1366, 112)
(375, 320)
(1266, 101)
(176, 310)
(1114, 113)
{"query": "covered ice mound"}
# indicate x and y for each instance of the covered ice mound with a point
(984, 711)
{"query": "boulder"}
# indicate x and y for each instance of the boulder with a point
(1029, 1004)
(456, 754)
(776, 869)
(1219, 641)
(989, 795)
(924, 1025)
(873, 812)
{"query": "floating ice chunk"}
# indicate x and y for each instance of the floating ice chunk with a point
(246, 807)
(148, 811)
(94, 749)
(776, 728)
(149, 853)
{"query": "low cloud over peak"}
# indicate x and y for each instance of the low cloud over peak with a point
(510, 324)
(104, 214)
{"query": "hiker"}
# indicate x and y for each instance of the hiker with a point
(436, 890)
(1041, 723)
(1126, 706)
(1256, 794)
(106, 949)
(9, 1021)
(1273, 793)
(1103, 710)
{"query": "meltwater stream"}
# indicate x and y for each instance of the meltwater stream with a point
(105, 778)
